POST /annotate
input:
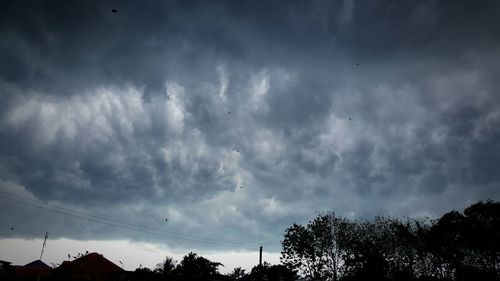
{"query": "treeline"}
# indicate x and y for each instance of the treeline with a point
(458, 246)
(196, 268)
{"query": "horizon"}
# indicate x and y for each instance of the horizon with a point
(144, 254)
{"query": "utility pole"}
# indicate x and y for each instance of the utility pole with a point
(44, 243)
(260, 256)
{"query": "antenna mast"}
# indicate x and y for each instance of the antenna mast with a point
(260, 256)
(44, 243)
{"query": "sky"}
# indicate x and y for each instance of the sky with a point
(211, 126)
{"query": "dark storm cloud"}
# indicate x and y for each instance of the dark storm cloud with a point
(164, 109)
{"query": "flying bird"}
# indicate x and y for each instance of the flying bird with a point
(166, 219)
(350, 118)
(12, 228)
(114, 11)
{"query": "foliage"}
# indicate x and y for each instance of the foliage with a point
(267, 272)
(237, 273)
(166, 268)
(316, 249)
(457, 246)
(193, 267)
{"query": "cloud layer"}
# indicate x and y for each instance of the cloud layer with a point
(234, 119)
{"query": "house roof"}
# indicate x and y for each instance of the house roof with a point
(33, 268)
(38, 264)
(88, 266)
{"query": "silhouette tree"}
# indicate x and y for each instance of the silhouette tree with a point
(457, 246)
(237, 273)
(267, 272)
(447, 243)
(366, 251)
(166, 268)
(409, 258)
(483, 234)
(316, 250)
(144, 274)
(194, 268)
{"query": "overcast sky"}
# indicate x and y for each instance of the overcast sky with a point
(236, 119)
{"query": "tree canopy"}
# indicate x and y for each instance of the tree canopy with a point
(457, 246)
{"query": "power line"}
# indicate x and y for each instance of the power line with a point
(115, 223)
(123, 225)
(64, 209)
